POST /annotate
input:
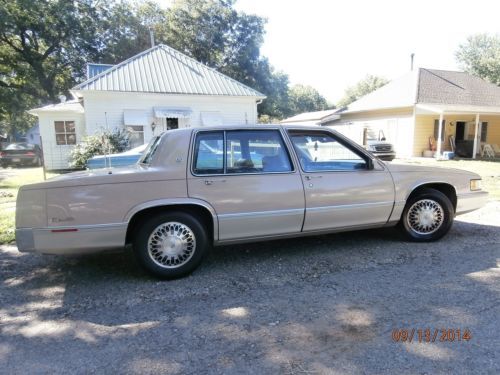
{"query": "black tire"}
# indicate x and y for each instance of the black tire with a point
(5, 165)
(434, 203)
(154, 257)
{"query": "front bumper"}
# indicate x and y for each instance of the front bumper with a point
(471, 201)
(386, 156)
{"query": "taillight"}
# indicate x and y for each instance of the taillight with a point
(2, 154)
(29, 153)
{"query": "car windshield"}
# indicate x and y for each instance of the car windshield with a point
(150, 150)
(20, 146)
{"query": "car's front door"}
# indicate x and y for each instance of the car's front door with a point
(249, 179)
(341, 190)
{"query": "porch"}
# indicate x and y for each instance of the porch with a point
(468, 131)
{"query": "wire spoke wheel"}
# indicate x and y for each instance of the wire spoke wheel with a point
(425, 216)
(171, 245)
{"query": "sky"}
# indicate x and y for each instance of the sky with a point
(331, 45)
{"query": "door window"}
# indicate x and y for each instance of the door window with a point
(320, 151)
(256, 152)
(208, 153)
(242, 151)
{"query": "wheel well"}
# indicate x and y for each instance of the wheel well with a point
(198, 211)
(446, 189)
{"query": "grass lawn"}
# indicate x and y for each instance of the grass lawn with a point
(9, 186)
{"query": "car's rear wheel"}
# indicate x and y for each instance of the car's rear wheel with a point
(171, 245)
(427, 216)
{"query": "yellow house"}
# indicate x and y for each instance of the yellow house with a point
(409, 110)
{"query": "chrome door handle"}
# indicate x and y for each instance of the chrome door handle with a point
(211, 182)
(308, 178)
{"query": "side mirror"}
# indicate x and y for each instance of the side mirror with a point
(382, 139)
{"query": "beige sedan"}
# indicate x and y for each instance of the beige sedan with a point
(198, 187)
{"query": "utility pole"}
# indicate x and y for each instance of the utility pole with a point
(412, 56)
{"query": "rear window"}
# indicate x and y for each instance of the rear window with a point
(150, 150)
(20, 146)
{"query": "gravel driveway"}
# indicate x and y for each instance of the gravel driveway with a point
(313, 305)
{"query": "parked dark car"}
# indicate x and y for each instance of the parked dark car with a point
(16, 154)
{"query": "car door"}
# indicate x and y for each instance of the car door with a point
(341, 188)
(250, 180)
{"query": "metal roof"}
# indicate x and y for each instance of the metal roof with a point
(67, 106)
(95, 69)
(310, 116)
(162, 69)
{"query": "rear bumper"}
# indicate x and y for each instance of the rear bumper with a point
(19, 159)
(471, 201)
(83, 239)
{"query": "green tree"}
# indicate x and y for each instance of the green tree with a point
(365, 86)
(45, 44)
(480, 56)
(306, 99)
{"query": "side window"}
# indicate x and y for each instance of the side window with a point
(256, 151)
(208, 153)
(65, 132)
(321, 152)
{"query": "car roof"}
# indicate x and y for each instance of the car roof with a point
(248, 127)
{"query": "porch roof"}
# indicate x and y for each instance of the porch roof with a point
(432, 108)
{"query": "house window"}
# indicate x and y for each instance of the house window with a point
(436, 130)
(172, 123)
(484, 131)
(65, 132)
(135, 135)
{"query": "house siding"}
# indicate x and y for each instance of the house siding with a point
(424, 129)
(57, 156)
(397, 125)
(105, 109)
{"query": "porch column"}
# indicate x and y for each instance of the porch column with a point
(474, 150)
(440, 134)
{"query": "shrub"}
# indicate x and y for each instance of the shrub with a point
(104, 142)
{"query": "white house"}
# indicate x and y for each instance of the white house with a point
(154, 91)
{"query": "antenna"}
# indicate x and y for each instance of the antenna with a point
(411, 57)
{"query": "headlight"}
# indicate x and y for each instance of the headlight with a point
(475, 185)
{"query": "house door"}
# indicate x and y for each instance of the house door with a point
(460, 132)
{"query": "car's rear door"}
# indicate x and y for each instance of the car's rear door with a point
(249, 179)
(341, 190)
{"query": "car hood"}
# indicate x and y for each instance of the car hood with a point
(405, 168)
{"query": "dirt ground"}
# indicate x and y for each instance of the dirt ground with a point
(328, 305)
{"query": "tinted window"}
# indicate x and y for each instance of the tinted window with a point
(208, 153)
(256, 151)
(321, 152)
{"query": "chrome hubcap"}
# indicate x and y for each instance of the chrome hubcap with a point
(171, 244)
(425, 216)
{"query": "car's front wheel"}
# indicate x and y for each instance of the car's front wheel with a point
(171, 245)
(427, 216)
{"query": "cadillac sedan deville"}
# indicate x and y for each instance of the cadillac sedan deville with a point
(199, 187)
